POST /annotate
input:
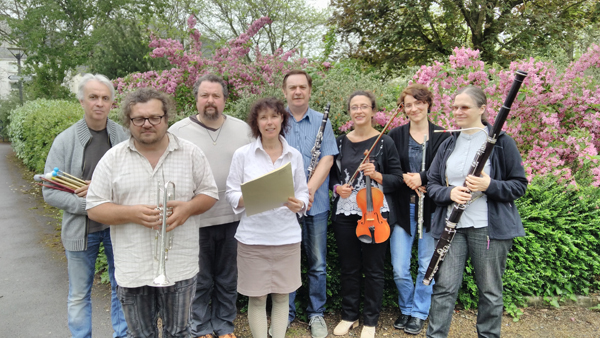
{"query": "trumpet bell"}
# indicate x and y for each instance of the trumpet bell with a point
(162, 280)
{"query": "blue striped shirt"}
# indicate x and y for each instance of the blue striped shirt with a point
(301, 135)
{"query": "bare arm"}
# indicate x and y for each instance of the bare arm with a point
(321, 173)
(115, 214)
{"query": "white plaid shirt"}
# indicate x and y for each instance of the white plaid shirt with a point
(125, 177)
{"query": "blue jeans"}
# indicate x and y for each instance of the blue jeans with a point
(314, 241)
(214, 308)
(488, 264)
(81, 270)
(173, 304)
(413, 299)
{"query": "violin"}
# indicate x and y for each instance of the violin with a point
(372, 228)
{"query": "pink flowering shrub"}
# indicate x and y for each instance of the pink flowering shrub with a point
(555, 119)
(231, 62)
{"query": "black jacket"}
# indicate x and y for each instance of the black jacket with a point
(386, 162)
(401, 137)
(508, 183)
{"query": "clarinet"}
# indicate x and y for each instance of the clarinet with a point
(420, 217)
(316, 150)
(481, 157)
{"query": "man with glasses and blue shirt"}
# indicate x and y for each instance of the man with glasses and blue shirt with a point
(77, 150)
(304, 126)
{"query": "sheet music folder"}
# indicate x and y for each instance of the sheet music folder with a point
(268, 191)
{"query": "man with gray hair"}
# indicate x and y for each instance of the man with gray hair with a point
(77, 150)
(219, 136)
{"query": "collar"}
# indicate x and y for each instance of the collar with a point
(309, 115)
(258, 145)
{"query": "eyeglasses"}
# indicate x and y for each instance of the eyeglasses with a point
(461, 108)
(418, 104)
(363, 107)
(139, 121)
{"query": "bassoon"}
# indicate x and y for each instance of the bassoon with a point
(316, 150)
(481, 157)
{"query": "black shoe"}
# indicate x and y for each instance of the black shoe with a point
(414, 326)
(400, 323)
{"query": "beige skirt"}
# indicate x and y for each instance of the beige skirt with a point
(265, 269)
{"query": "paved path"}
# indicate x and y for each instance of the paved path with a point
(33, 273)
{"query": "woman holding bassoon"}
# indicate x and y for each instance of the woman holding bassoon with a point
(488, 224)
(414, 140)
(368, 253)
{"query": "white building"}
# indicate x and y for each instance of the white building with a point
(8, 66)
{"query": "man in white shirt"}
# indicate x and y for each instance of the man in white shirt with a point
(219, 136)
(124, 194)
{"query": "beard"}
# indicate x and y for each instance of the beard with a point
(150, 138)
(210, 115)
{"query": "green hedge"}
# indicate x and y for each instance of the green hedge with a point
(557, 258)
(34, 126)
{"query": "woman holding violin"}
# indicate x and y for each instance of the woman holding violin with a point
(414, 298)
(362, 205)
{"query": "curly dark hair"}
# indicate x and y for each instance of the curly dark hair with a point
(419, 92)
(263, 104)
(144, 95)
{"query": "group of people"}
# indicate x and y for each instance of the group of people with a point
(216, 250)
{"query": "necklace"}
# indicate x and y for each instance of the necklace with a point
(218, 134)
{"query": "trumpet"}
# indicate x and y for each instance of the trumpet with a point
(163, 241)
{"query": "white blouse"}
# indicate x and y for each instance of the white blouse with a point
(278, 226)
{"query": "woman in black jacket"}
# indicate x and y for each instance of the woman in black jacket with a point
(385, 173)
(414, 299)
(488, 225)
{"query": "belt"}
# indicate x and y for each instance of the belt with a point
(413, 199)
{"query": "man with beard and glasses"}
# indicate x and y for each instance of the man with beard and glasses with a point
(304, 126)
(124, 194)
(219, 136)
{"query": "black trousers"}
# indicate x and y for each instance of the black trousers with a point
(357, 258)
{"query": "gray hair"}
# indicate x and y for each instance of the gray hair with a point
(98, 77)
(478, 96)
(210, 78)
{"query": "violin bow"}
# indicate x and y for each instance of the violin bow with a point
(367, 154)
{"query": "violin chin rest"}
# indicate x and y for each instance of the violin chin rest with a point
(366, 239)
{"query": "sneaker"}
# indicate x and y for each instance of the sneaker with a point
(271, 328)
(318, 327)
(400, 323)
(414, 326)
(344, 326)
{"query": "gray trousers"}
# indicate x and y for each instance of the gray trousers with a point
(144, 305)
(489, 264)
(214, 305)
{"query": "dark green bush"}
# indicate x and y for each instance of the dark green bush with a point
(34, 126)
(557, 259)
